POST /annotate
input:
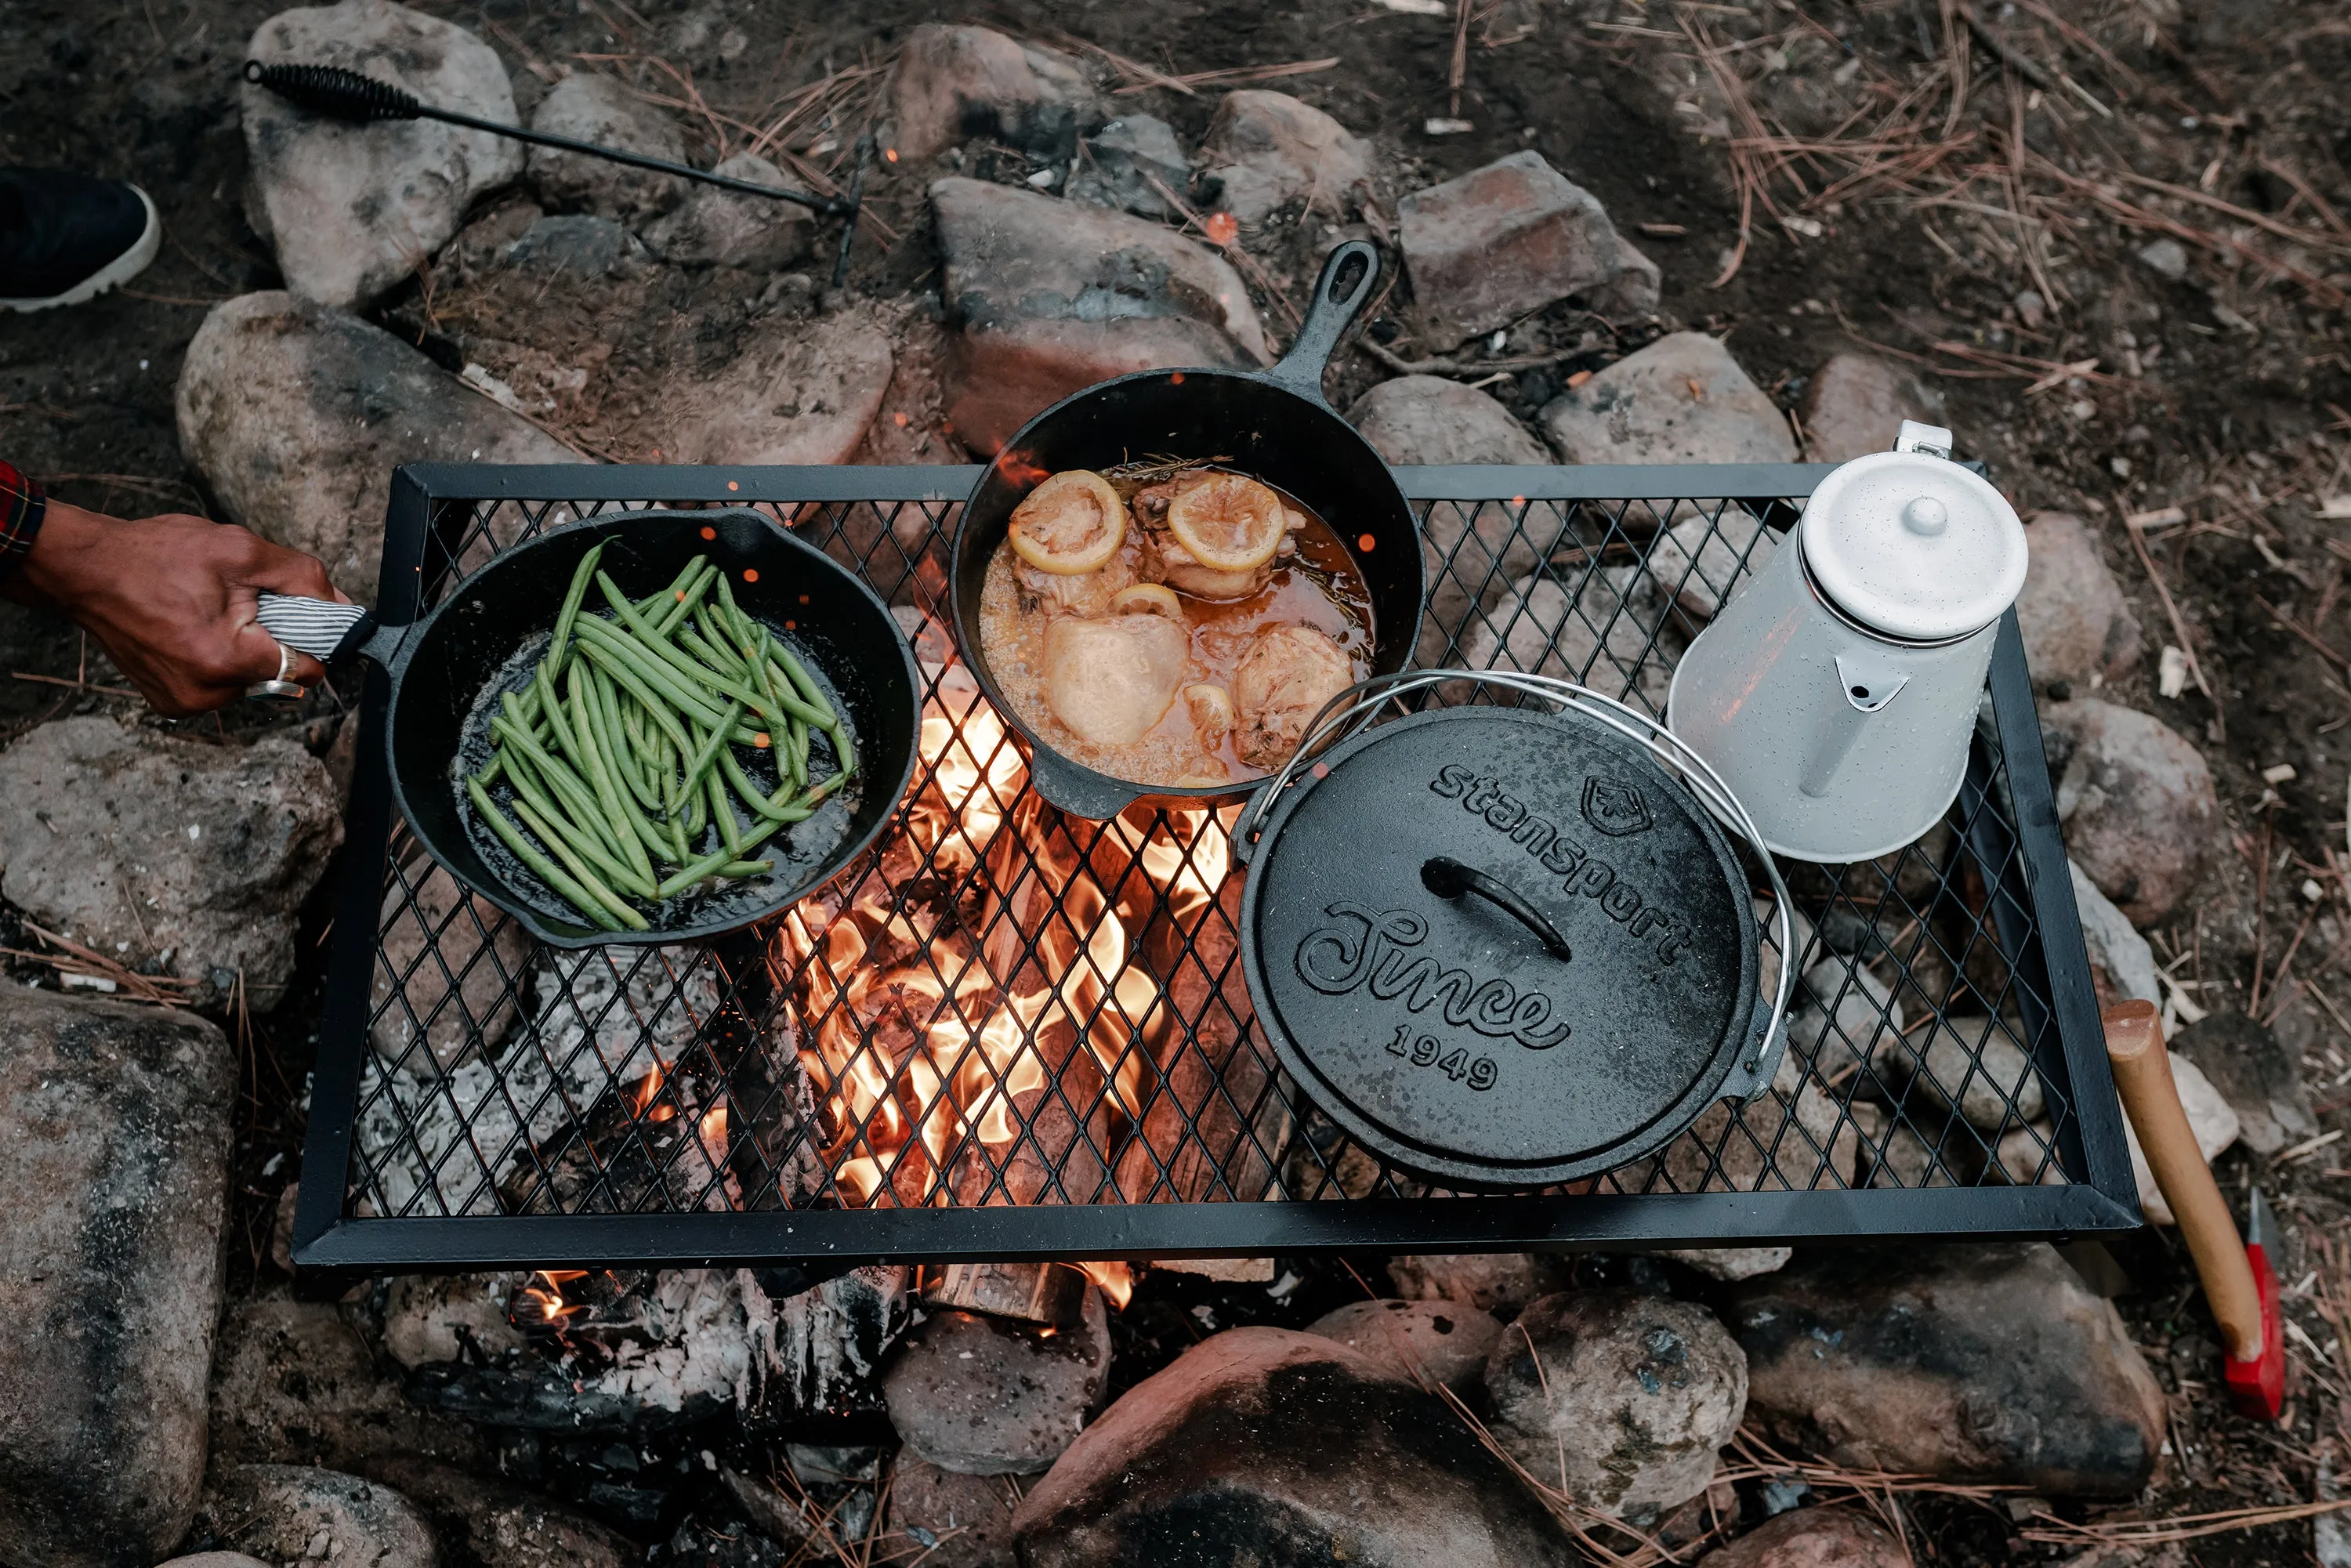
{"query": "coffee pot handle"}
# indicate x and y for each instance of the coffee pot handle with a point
(1866, 682)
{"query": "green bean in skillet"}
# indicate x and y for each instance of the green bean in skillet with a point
(619, 762)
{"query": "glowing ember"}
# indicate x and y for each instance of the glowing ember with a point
(547, 1298)
(1117, 1282)
(1222, 228)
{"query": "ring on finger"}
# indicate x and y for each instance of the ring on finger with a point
(279, 688)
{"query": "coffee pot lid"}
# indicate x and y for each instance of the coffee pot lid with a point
(1911, 545)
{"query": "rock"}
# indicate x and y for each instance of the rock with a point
(2078, 630)
(1501, 1283)
(296, 415)
(1617, 1398)
(2168, 256)
(955, 83)
(1470, 550)
(283, 1511)
(1854, 405)
(1489, 246)
(1971, 1065)
(591, 107)
(114, 1144)
(1269, 149)
(2027, 1155)
(1122, 159)
(768, 1511)
(1428, 1342)
(1604, 637)
(1704, 563)
(218, 1560)
(576, 244)
(1052, 296)
(956, 1520)
(2115, 945)
(1792, 1138)
(792, 394)
(2138, 802)
(1683, 399)
(2210, 1117)
(176, 856)
(1844, 1009)
(293, 1381)
(989, 1397)
(1261, 1445)
(351, 210)
(2256, 1074)
(1989, 1363)
(723, 228)
(435, 1317)
(1731, 1263)
(1812, 1538)
(453, 959)
(481, 1519)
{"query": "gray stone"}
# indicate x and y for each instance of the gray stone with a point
(2256, 1073)
(1683, 399)
(793, 393)
(217, 1559)
(2137, 801)
(1791, 1137)
(1261, 1445)
(1598, 631)
(2078, 629)
(575, 244)
(350, 209)
(591, 107)
(1050, 296)
(1974, 1363)
(2210, 1118)
(283, 1510)
(1491, 246)
(2115, 945)
(1428, 1342)
(1971, 1065)
(490, 1520)
(1854, 405)
(2168, 256)
(987, 1397)
(1704, 563)
(1843, 1010)
(727, 228)
(114, 1143)
(1618, 1399)
(1269, 149)
(1731, 1263)
(953, 83)
(1122, 159)
(435, 1317)
(956, 1520)
(1501, 1283)
(446, 967)
(1812, 1538)
(175, 856)
(296, 415)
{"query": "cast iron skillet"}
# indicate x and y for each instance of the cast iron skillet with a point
(1273, 425)
(439, 665)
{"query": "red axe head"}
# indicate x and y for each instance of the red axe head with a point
(2257, 1385)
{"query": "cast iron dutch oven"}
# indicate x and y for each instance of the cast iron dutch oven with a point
(490, 628)
(1272, 424)
(1503, 946)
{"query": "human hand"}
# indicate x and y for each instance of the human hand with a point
(172, 599)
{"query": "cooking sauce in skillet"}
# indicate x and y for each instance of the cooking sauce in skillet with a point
(1315, 584)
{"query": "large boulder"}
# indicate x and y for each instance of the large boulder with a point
(1619, 1399)
(350, 209)
(1814, 1538)
(1683, 399)
(1974, 1363)
(114, 1144)
(2140, 812)
(2078, 629)
(175, 856)
(1854, 405)
(953, 83)
(1052, 296)
(1267, 148)
(1287, 1450)
(1428, 1342)
(296, 415)
(791, 394)
(729, 228)
(989, 1397)
(293, 1511)
(590, 107)
(1486, 247)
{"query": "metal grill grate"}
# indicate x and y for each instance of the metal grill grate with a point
(1005, 1032)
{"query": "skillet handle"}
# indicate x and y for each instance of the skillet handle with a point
(326, 630)
(1327, 320)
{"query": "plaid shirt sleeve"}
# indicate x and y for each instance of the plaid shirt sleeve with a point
(21, 506)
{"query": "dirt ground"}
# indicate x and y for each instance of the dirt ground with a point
(1819, 144)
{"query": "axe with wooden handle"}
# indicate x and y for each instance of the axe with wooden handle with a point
(2239, 1283)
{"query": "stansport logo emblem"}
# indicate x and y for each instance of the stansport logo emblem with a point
(1367, 947)
(1618, 810)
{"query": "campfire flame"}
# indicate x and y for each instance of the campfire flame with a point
(547, 1298)
(1115, 1280)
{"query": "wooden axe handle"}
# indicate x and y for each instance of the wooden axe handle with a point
(2142, 1078)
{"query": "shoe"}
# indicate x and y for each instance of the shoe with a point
(67, 237)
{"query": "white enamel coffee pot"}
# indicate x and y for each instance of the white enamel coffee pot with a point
(1836, 694)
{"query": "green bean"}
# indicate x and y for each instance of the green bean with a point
(559, 720)
(664, 698)
(529, 790)
(653, 601)
(801, 679)
(713, 863)
(566, 786)
(687, 602)
(646, 832)
(670, 661)
(706, 756)
(612, 731)
(775, 808)
(582, 575)
(795, 754)
(702, 648)
(578, 867)
(608, 793)
(730, 832)
(746, 868)
(546, 869)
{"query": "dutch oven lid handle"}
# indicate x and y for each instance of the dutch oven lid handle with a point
(327, 629)
(1334, 309)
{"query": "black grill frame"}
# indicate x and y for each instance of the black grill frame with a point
(2005, 820)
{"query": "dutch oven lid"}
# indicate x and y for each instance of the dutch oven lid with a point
(1500, 945)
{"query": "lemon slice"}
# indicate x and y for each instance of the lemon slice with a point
(1229, 522)
(1070, 525)
(1147, 599)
